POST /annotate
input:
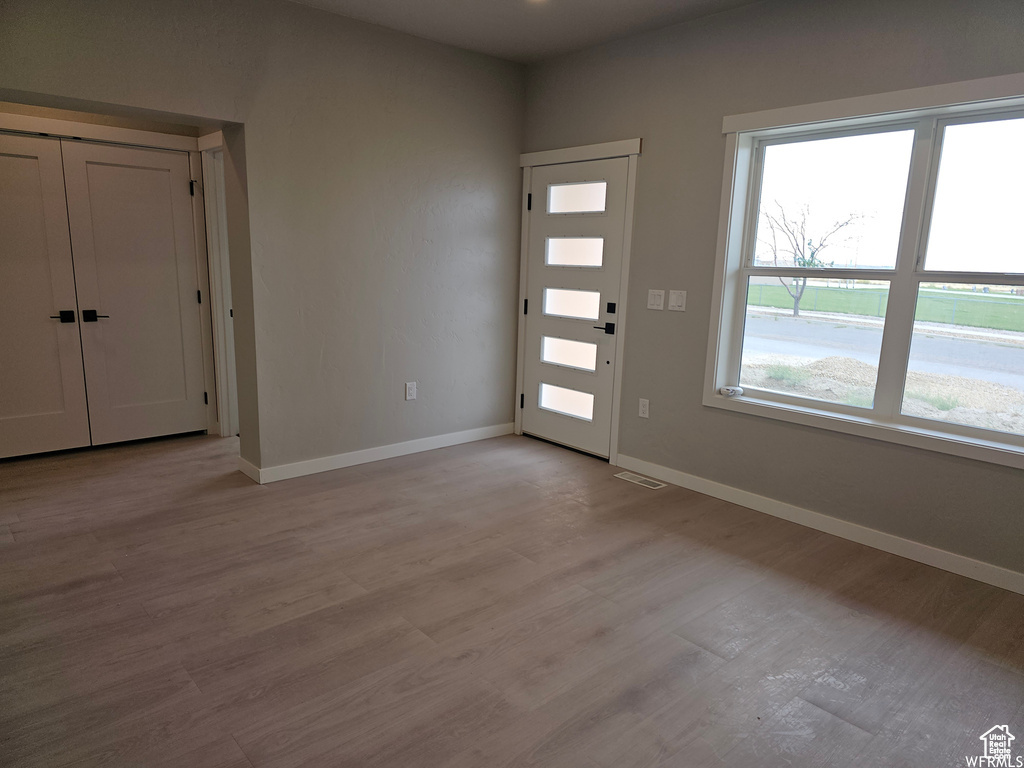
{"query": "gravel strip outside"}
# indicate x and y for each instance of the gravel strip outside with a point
(929, 395)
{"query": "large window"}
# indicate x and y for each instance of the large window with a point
(872, 279)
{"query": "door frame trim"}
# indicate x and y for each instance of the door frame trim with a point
(219, 263)
(206, 319)
(110, 134)
(629, 148)
(604, 151)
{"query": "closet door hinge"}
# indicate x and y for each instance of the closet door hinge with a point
(199, 296)
(529, 201)
(206, 398)
(192, 187)
(522, 401)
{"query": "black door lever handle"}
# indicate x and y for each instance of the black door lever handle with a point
(608, 328)
(65, 316)
(90, 316)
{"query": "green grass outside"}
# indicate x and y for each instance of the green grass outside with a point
(977, 310)
(788, 374)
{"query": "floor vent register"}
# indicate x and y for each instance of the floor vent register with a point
(646, 482)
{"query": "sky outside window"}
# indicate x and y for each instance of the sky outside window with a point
(860, 179)
(979, 199)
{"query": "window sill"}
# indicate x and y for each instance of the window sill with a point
(993, 452)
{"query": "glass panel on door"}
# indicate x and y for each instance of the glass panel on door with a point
(586, 197)
(574, 252)
(569, 402)
(572, 354)
(581, 305)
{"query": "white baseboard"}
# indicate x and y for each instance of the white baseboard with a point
(342, 460)
(887, 542)
(248, 469)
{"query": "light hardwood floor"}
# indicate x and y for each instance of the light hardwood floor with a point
(503, 603)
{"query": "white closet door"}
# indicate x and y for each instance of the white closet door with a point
(135, 266)
(42, 388)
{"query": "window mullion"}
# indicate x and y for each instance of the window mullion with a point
(993, 278)
(854, 273)
(899, 316)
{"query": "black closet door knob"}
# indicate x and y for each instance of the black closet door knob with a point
(65, 316)
(90, 316)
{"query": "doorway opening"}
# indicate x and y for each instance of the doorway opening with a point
(112, 281)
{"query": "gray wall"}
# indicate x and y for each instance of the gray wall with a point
(672, 88)
(383, 213)
(383, 190)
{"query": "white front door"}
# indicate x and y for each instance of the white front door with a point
(42, 388)
(574, 262)
(135, 268)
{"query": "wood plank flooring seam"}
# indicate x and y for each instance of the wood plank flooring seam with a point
(247, 758)
(836, 715)
(181, 664)
(700, 645)
(419, 631)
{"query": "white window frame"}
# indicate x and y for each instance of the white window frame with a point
(926, 110)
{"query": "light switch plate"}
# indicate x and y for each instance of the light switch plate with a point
(655, 299)
(677, 301)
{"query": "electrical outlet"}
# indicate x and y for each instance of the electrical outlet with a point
(645, 408)
(655, 299)
(677, 301)
(410, 390)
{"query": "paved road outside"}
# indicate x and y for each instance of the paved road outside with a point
(814, 339)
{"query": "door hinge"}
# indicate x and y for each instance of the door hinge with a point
(199, 296)
(522, 401)
(529, 201)
(231, 313)
(192, 187)
(206, 398)
(526, 304)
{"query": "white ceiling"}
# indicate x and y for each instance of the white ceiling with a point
(523, 30)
